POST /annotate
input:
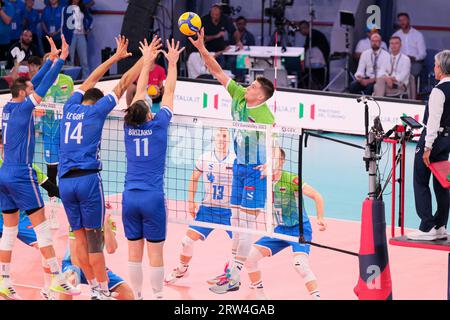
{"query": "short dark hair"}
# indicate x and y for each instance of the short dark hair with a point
(402, 14)
(136, 113)
(241, 18)
(282, 154)
(20, 84)
(217, 5)
(34, 60)
(267, 86)
(93, 95)
(396, 38)
(303, 22)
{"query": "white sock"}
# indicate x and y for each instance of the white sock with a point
(93, 283)
(53, 264)
(47, 276)
(136, 277)
(104, 286)
(4, 272)
(315, 295)
(156, 279)
(236, 268)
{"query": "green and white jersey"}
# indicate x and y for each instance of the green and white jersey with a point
(61, 90)
(250, 146)
(285, 197)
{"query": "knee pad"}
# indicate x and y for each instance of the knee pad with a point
(251, 264)
(8, 238)
(235, 217)
(95, 240)
(43, 234)
(187, 246)
(301, 265)
(247, 221)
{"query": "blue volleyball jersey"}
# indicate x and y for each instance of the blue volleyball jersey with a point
(81, 132)
(145, 148)
(18, 132)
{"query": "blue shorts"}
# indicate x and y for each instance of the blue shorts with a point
(83, 201)
(212, 215)
(26, 233)
(144, 215)
(113, 279)
(248, 189)
(19, 188)
(276, 245)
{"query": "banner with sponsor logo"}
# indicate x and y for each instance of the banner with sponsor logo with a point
(293, 109)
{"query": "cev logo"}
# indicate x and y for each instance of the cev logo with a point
(374, 20)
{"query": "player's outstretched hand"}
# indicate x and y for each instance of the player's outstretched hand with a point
(122, 48)
(54, 52)
(173, 52)
(150, 51)
(200, 42)
(64, 48)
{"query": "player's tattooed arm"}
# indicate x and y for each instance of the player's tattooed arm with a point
(211, 63)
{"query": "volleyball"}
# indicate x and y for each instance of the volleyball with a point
(189, 23)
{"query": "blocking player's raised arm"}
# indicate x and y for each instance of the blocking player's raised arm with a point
(52, 74)
(211, 63)
(54, 54)
(121, 53)
(172, 55)
(149, 54)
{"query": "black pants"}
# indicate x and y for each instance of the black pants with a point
(422, 192)
(357, 88)
(4, 51)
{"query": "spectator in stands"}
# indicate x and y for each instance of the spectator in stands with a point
(17, 20)
(76, 26)
(413, 43)
(31, 21)
(319, 53)
(155, 87)
(22, 49)
(6, 15)
(364, 44)
(247, 38)
(216, 26)
(397, 75)
(51, 24)
(372, 65)
(26, 68)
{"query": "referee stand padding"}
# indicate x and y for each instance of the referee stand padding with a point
(440, 170)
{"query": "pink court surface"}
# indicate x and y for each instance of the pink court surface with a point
(416, 273)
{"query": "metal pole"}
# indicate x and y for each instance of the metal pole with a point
(448, 279)
(300, 179)
(311, 16)
(263, 4)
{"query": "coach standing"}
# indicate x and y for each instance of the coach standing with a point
(433, 146)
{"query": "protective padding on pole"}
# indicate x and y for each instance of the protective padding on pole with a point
(374, 281)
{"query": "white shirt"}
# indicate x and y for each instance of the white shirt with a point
(368, 59)
(217, 178)
(413, 43)
(78, 17)
(196, 66)
(435, 110)
(399, 67)
(364, 44)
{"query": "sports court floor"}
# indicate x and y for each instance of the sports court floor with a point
(338, 173)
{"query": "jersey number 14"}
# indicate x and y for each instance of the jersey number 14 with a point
(76, 133)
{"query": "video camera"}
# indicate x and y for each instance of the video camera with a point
(278, 9)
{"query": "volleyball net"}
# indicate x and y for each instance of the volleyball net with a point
(193, 142)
